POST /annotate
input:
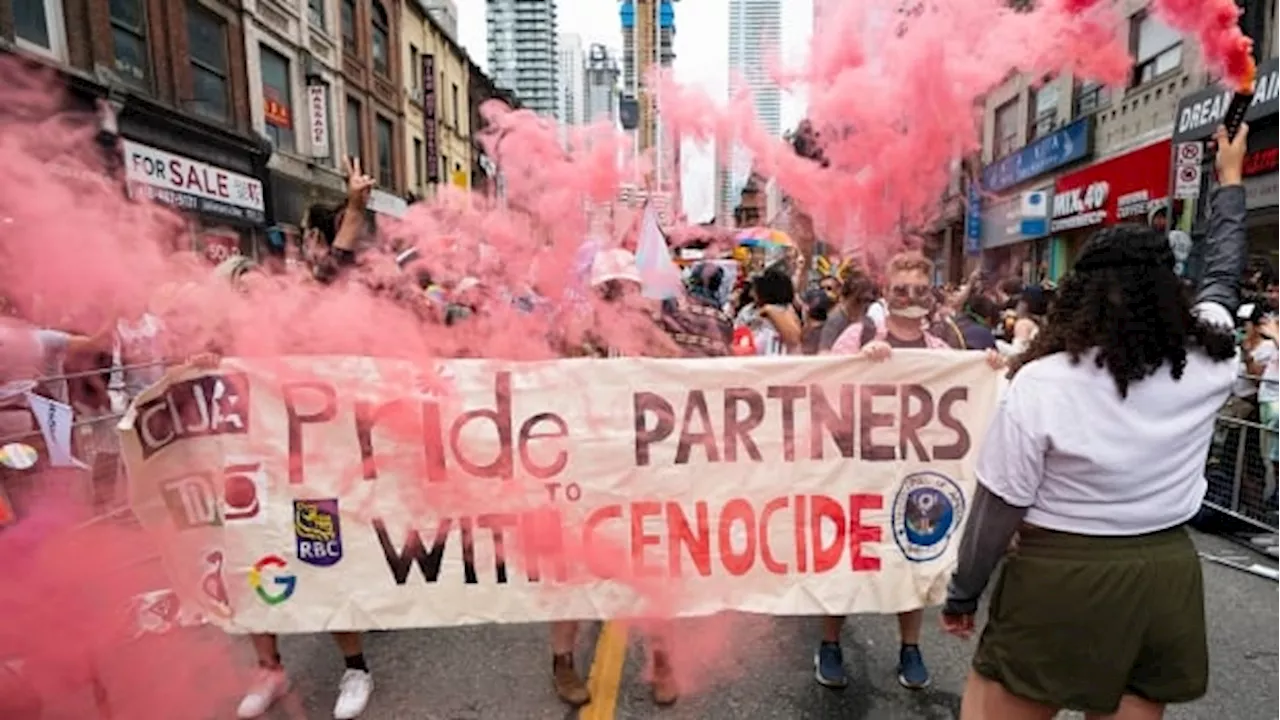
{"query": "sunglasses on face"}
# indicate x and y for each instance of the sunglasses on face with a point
(911, 292)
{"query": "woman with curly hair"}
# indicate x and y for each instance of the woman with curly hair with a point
(1095, 459)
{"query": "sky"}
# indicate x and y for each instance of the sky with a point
(702, 60)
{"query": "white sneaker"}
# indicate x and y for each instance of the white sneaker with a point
(353, 694)
(267, 687)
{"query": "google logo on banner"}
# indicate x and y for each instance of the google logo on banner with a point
(285, 584)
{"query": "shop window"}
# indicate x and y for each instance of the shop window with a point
(37, 27)
(1090, 96)
(315, 13)
(277, 99)
(1044, 106)
(129, 39)
(355, 132)
(1157, 49)
(1006, 129)
(207, 46)
(349, 25)
(381, 39)
(386, 154)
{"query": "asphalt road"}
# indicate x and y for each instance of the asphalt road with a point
(739, 666)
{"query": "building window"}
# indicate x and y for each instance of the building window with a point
(419, 167)
(129, 37)
(277, 99)
(315, 13)
(1157, 49)
(349, 24)
(415, 68)
(355, 132)
(37, 27)
(386, 154)
(207, 44)
(1090, 96)
(381, 39)
(1006, 129)
(444, 168)
(454, 99)
(1044, 107)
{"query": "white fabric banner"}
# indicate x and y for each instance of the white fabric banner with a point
(350, 493)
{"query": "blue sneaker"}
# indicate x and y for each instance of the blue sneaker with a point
(828, 666)
(912, 673)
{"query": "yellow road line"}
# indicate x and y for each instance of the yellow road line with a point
(606, 672)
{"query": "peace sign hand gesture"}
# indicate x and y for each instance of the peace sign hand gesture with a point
(359, 185)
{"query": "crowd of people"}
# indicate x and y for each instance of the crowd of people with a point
(1100, 605)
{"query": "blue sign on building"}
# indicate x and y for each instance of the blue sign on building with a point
(973, 221)
(1061, 147)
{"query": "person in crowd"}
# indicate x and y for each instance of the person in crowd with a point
(817, 308)
(695, 323)
(617, 282)
(909, 295)
(1095, 459)
(858, 295)
(970, 327)
(1029, 311)
(773, 323)
(1269, 405)
(1258, 351)
(332, 238)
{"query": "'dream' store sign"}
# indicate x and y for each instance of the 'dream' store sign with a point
(192, 186)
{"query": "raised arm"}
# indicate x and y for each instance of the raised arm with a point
(1226, 250)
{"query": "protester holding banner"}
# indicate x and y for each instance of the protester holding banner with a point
(1096, 459)
(332, 236)
(910, 300)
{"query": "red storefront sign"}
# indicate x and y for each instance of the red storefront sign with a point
(1123, 189)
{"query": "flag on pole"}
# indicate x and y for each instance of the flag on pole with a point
(55, 420)
(659, 274)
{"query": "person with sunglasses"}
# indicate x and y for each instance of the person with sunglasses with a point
(910, 301)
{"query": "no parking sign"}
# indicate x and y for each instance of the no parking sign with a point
(1187, 170)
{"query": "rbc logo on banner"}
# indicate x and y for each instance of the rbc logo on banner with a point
(318, 530)
(927, 510)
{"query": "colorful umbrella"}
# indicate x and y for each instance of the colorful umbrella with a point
(763, 237)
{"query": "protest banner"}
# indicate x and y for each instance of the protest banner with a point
(347, 493)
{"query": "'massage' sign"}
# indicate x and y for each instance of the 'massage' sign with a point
(559, 490)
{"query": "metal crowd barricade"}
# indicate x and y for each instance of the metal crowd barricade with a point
(1241, 474)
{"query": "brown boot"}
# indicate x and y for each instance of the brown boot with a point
(569, 685)
(665, 691)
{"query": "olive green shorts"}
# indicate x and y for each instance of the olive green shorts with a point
(1078, 621)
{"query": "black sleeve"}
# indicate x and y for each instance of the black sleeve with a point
(1226, 249)
(991, 525)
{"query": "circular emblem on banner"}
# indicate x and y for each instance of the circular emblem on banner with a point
(927, 510)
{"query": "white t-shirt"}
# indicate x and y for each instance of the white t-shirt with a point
(1267, 388)
(1081, 459)
(1262, 354)
(137, 346)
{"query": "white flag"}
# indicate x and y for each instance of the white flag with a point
(55, 420)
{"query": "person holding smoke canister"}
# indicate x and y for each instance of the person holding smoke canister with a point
(331, 236)
(1095, 459)
(909, 298)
